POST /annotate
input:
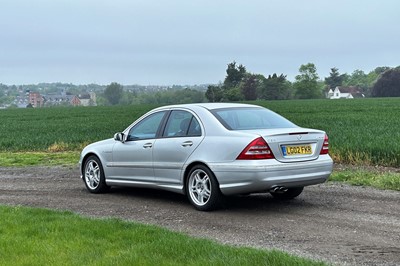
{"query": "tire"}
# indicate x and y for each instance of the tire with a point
(202, 189)
(93, 175)
(291, 193)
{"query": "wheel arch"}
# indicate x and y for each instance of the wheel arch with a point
(189, 168)
(84, 159)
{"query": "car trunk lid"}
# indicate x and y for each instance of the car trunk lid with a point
(294, 144)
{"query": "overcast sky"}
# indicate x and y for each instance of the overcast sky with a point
(190, 42)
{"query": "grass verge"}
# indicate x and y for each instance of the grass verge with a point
(30, 236)
(8, 159)
(386, 179)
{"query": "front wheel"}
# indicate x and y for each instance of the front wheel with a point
(289, 194)
(202, 189)
(93, 175)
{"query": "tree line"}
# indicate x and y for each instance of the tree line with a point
(116, 93)
(239, 84)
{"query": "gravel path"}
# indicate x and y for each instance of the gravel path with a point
(337, 223)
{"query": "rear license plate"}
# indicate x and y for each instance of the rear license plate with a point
(289, 150)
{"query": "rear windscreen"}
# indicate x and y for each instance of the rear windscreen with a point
(250, 118)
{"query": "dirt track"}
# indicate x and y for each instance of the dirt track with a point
(336, 223)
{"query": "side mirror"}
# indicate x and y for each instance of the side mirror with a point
(119, 137)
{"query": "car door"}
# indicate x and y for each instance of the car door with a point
(132, 159)
(181, 136)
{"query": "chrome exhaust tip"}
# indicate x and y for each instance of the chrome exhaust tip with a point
(278, 189)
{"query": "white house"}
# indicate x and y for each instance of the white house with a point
(344, 93)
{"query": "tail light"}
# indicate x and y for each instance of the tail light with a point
(325, 146)
(258, 149)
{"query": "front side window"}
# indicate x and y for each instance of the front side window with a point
(251, 118)
(181, 124)
(146, 128)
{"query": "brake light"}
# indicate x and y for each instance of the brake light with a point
(258, 149)
(325, 146)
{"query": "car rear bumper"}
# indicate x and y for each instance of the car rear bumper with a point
(261, 175)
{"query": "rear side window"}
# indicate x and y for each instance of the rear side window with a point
(250, 118)
(182, 124)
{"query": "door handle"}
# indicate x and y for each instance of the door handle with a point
(187, 144)
(148, 145)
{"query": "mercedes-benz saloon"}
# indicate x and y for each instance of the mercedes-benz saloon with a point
(208, 150)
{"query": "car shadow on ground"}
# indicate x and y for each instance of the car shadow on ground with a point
(251, 202)
(262, 202)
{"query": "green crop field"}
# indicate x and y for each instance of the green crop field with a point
(361, 131)
(63, 128)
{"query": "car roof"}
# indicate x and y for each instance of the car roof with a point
(210, 106)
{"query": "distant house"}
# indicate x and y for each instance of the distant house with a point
(35, 99)
(344, 93)
(88, 99)
(75, 101)
(53, 99)
(21, 101)
(69, 99)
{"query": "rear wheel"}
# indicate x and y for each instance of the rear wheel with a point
(202, 189)
(93, 175)
(289, 194)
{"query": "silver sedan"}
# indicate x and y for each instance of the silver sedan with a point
(209, 150)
